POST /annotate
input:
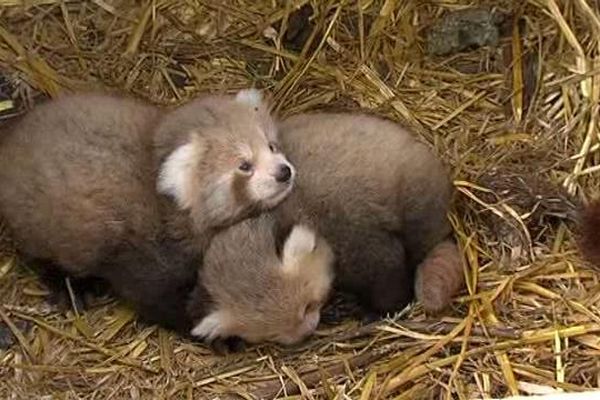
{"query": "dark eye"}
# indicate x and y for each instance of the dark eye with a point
(245, 166)
(273, 147)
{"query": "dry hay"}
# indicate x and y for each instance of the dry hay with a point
(516, 121)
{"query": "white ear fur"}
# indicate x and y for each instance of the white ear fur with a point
(176, 171)
(252, 97)
(211, 327)
(299, 243)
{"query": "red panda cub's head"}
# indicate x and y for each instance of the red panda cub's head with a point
(256, 294)
(219, 158)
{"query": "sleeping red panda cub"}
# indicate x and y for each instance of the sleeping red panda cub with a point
(247, 289)
(380, 198)
(98, 185)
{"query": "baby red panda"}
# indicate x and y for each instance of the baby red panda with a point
(247, 289)
(99, 185)
(380, 198)
(220, 162)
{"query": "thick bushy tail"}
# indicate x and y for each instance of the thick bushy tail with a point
(589, 232)
(439, 277)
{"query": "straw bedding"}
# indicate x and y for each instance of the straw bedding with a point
(516, 119)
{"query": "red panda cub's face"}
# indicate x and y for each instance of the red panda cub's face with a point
(258, 295)
(228, 163)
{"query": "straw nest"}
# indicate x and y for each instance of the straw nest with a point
(516, 119)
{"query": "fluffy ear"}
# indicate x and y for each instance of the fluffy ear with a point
(176, 174)
(301, 242)
(214, 325)
(251, 97)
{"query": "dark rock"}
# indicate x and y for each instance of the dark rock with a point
(464, 29)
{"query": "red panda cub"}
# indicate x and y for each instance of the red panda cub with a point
(380, 198)
(250, 290)
(99, 185)
(219, 163)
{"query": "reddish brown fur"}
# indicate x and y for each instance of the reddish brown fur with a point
(51, 164)
(224, 125)
(246, 289)
(78, 188)
(589, 232)
(380, 198)
(439, 277)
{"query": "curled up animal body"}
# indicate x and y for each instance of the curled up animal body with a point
(99, 185)
(372, 195)
(260, 284)
(381, 199)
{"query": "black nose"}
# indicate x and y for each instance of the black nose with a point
(284, 174)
